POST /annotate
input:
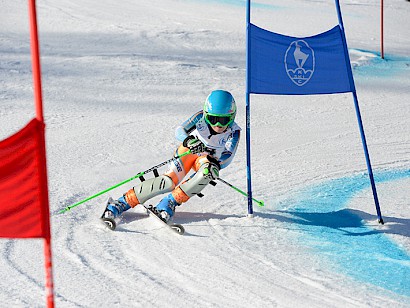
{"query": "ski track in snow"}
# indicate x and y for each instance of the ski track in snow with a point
(117, 79)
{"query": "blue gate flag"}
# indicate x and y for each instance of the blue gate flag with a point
(279, 64)
(288, 65)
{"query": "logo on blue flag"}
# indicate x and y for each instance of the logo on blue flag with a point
(300, 62)
(280, 64)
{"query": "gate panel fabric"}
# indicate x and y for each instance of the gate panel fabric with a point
(21, 209)
(288, 65)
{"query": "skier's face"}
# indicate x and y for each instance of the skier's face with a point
(218, 129)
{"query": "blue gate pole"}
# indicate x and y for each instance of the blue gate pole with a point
(248, 112)
(359, 117)
(366, 154)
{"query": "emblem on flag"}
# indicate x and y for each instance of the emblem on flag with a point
(299, 62)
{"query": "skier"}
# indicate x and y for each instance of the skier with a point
(212, 137)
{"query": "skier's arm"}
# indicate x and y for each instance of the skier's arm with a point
(230, 149)
(183, 130)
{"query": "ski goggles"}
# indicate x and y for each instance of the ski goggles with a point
(218, 120)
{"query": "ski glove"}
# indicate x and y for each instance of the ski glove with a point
(194, 145)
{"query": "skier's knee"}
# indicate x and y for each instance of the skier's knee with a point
(149, 189)
(206, 173)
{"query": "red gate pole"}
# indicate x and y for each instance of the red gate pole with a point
(35, 59)
(49, 273)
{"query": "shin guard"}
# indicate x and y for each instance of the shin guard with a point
(205, 174)
(153, 187)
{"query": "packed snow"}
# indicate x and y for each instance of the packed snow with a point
(118, 77)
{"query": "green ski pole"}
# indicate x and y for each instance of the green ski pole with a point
(123, 182)
(260, 203)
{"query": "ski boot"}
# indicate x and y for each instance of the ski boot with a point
(165, 209)
(113, 211)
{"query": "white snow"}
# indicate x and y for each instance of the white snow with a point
(119, 76)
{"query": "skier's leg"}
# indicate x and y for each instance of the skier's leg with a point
(156, 186)
(149, 189)
(206, 171)
(180, 167)
(141, 193)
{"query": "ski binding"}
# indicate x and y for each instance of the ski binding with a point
(174, 227)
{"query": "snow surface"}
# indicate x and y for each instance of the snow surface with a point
(118, 77)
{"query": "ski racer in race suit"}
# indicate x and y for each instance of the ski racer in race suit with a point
(212, 136)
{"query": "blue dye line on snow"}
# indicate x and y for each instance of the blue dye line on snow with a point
(338, 233)
(390, 66)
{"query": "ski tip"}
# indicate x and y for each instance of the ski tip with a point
(178, 228)
(109, 223)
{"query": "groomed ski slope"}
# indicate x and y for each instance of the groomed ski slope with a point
(118, 77)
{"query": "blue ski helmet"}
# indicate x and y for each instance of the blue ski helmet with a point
(220, 108)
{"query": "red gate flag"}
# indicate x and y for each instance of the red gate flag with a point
(22, 212)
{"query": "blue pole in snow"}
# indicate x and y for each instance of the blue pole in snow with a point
(248, 115)
(366, 153)
(359, 117)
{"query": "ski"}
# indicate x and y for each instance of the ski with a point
(177, 228)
